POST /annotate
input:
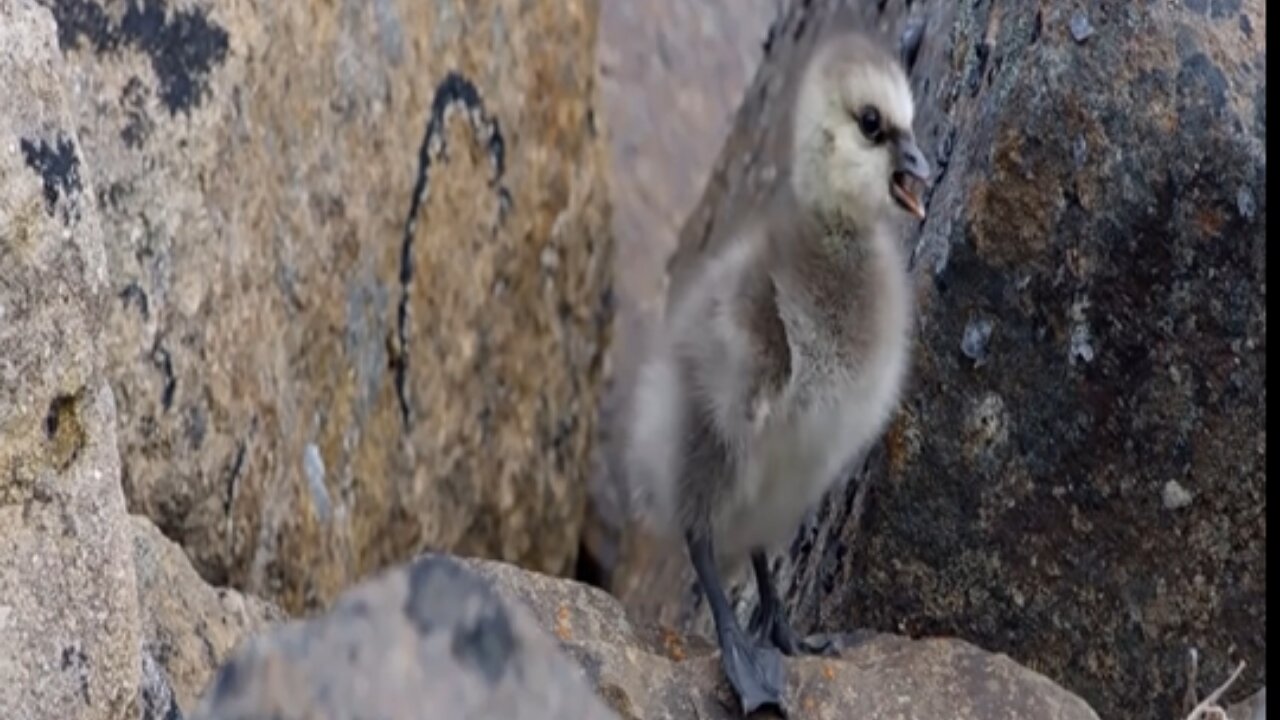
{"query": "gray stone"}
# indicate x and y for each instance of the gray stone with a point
(1174, 496)
(431, 634)
(1081, 28)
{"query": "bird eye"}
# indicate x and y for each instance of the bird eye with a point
(869, 122)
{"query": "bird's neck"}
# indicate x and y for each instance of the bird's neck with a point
(827, 271)
(824, 251)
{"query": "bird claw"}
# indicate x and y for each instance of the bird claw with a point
(774, 628)
(754, 673)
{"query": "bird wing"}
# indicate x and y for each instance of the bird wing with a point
(731, 336)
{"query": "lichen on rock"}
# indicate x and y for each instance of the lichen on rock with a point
(333, 332)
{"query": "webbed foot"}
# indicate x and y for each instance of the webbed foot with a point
(754, 673)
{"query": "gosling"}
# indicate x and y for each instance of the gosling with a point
(783, 358)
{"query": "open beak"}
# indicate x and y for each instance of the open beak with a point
(910, 176)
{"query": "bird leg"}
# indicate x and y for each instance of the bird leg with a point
(773, 624)
(754, 672)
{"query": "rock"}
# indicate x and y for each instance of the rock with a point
(430, 634)
(648, 672)
(1174, 496)
(463, 638)
(68, 603)
(188, 627)
(334, 336)
(1081, 28)
(1017, 504)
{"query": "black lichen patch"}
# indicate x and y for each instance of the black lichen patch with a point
(133, 294)
(486, 643)
(64, 431)
(164, 363)
(444, 596)
(183, 49)
(82, 19)
(183, 45)
(156, 697)
(58, 166)
(74, 660)
(454, 91)
(230, 681)
(133, 100)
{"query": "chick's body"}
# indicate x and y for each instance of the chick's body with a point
(776, 370)
(784, 351)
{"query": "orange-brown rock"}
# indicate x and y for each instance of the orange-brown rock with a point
(358, 258)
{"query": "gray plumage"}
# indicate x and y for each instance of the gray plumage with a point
(782, 357)
(784, 350)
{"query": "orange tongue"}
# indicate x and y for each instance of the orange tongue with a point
(908, 199)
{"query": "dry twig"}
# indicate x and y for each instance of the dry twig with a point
(1209, 709)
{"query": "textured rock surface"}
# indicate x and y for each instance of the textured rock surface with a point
(468, 638)
(358, 276)
(188, 627)
(649, 672)
(1091, 286)
(68, 604)
(427, 635)
(1253, 707)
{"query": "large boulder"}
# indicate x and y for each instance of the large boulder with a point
(69, 629)
(358, 260)
(1076, 476)
(429, 638)
(101, 617)
(475, 639)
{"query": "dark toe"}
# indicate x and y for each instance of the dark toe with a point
(755, 674)
(821, 645)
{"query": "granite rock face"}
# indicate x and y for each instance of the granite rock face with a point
(427, 635)
(188, 628)
(1076, 475)
(473, 639)
(649, 671)
(101, 617)
(358, 263)
(69, 627)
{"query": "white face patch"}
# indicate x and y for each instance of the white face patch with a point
(838, 170)
(886, 89)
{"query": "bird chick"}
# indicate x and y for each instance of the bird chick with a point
(782, 360)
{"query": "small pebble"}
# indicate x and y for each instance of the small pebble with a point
(977, 337)
(1080, 151)
(1081, 28)
(1175, 496)
(313, 468)
(1081, 344)
(1246, 203)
